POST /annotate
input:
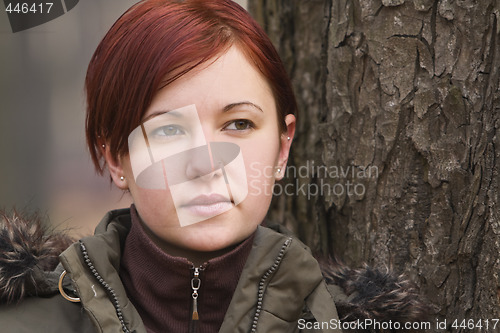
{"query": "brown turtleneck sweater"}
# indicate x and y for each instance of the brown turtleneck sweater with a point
(159, 285)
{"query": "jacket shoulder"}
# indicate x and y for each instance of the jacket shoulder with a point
(368, 292)
(44, 314)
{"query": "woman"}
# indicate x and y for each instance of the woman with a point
(191, 111)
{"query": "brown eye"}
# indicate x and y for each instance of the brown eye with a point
(168, 131)
(239, 125)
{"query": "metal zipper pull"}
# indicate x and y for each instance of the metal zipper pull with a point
(195, 285)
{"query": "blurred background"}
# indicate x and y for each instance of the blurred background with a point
(44, 163)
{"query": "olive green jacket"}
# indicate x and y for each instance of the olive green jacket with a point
(281, 283)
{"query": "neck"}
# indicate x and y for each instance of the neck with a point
(197, 258)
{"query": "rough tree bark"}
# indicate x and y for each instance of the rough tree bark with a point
(408, 90)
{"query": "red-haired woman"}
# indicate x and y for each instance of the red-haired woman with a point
(190, 109)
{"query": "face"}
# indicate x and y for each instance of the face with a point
(215, 139)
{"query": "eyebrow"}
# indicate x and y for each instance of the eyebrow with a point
(177, 114)
(233, 105)
(160, 112)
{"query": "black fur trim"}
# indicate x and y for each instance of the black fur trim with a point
(27, 247)
(375, 294)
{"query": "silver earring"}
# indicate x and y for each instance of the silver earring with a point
(122, 178)
(288, 138)
(103, 146)
(278, 171)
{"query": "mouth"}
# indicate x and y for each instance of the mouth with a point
(208, 205)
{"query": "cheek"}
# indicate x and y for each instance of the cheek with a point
(154, 206)
(260, 171)
(260, 180)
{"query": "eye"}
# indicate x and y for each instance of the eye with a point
(239, 125)
(168, 131)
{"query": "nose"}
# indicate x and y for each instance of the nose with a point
(199, 164)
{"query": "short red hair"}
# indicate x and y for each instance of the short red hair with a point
(154, 43)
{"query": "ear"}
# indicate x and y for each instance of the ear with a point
(286, 140)
(115, 167)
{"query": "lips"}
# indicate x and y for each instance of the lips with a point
(208, 205)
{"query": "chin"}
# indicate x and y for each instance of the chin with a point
(208, 236)
(215, 246)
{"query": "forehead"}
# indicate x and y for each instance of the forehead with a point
(226, 79)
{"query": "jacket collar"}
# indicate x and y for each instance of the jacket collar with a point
(278, 275)
(103, 251)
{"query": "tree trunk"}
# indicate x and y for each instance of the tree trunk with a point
(397, 153)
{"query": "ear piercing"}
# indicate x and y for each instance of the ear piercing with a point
(288, 138)
(278, 171)
(122, 178)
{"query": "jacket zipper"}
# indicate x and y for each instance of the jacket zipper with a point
(111, 293)
(262, 283)
(195, 286)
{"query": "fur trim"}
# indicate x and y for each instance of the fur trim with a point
(27, 247)
(375, 294)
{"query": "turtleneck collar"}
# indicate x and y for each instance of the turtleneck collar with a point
(159, 285)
